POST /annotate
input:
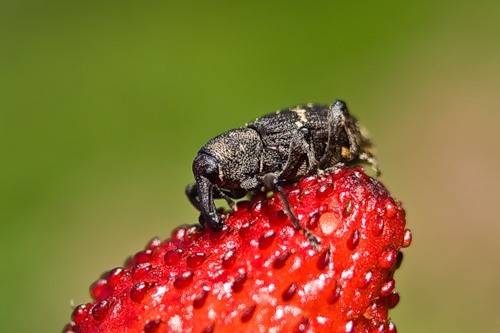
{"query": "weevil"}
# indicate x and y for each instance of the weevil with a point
(277, 148)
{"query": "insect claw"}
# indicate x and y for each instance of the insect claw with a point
(313, 240)
(276, 187)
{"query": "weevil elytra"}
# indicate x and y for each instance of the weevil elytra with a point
(279, 147)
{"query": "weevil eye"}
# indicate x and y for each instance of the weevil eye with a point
(207, 166)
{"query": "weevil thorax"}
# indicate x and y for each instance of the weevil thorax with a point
(237, 154)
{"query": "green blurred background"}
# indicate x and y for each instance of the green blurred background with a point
(103, 106)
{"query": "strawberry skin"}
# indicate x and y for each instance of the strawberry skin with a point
(260, 274)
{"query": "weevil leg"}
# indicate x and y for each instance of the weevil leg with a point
(335, 122)
(219, 194)
(192, 194)
(271, 182)
(236, 194)
(359, 144)
(299, 146)
(369, 159)
(228, 195)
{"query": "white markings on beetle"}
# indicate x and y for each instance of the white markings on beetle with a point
(301, 113)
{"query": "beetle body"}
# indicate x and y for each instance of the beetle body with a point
(279, 147)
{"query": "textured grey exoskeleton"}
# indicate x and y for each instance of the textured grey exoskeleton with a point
(279, 147)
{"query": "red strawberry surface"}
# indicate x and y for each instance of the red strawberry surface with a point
(260, 274)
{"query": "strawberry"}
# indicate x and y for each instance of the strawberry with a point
(260, 274)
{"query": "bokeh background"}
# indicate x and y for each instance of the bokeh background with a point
(103, 105)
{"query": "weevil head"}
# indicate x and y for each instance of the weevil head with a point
(231, 158)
